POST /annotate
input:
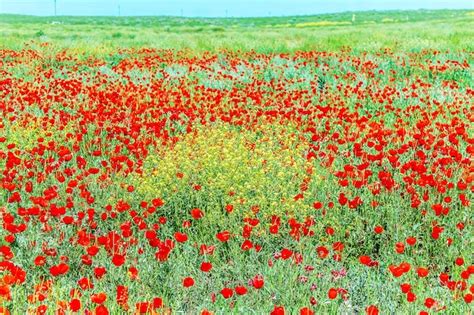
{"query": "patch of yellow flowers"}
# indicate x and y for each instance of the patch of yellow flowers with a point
(264, 167)
(24, 136)
(322, 23)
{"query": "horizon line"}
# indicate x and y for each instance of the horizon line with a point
(234, 17)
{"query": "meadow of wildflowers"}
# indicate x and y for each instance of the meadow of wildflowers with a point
(164, 182)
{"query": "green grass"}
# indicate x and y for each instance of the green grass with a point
(370, 31)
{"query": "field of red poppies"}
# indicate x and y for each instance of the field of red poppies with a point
(155, 181)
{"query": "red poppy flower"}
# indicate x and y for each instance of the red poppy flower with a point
(99, 272)
(372, 310)
(278, 310)
(365, 260)
(378, 229)
(459, 261)
(206, 266)
(306, 311)
(133, 273)
(180, 237)
(229, 208)
(122, 295)
(240, 290)
(422, 272)
(157, 303)
(101, 310)
(411, 297)
(223, 236)
(405, 287)
(58, 270)
(143, 307)
(74, 305)
(188, 282)
(118, 260)
(157, 202)
(411, 241)
(322, 252)
(317, 205)
(286, 253)
(429, 302)
(338, 246)
(332, 293)
(246, 245)
(227, 293)
(197, 213)
(258, 282)
(399, 247)
(85, 283)
(98, 298)
(40, 260)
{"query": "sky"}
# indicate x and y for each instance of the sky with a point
(218, 8)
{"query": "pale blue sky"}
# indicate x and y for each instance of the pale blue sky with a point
(211, 8)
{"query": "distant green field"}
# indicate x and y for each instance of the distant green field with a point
(360, 31)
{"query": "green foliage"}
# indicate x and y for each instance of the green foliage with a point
(39, 34)
(371, 31)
